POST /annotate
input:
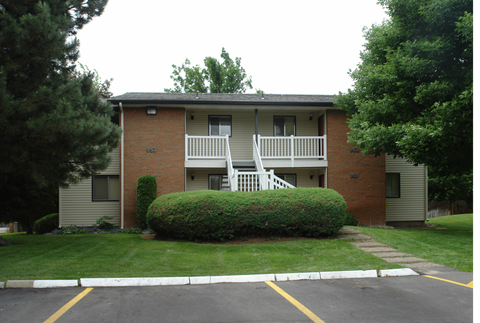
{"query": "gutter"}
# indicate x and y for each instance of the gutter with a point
(122, 167)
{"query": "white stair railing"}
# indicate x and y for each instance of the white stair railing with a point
(258, 181)
(232, 178)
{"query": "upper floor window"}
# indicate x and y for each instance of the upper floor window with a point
(284, 126)
(219, 125)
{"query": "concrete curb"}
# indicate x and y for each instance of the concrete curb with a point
(199, 280)
(397, 272)
(123, 282)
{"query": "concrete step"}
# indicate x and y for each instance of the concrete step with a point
(404, 260)
(391, 254)
(345, 231)
(378, 249)
(355, 237)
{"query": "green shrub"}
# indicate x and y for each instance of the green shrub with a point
(350, 219)
(220, 215)
(146, 194)
(102, 223)
(46, 224)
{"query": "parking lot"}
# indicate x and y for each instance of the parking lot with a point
(436, 296)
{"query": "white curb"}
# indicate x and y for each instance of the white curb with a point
(2, 285)
(55, 283)
(242, 278)
(200, 280)
(348, 274)
(121, 282)
(397, 272)
(300, 276)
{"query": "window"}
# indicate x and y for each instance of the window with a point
(218, 182)
(289, 178)
(220, 125)
(105, 188)
(284, 126)
(393, 184)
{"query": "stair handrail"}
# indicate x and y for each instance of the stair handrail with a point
(232, 178)
(276, 182)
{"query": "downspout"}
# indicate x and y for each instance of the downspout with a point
(122, 167)
(256, 126)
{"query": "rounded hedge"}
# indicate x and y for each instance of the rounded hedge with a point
(46, 224)
(222, 215)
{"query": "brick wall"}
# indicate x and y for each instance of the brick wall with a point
(365, 195)
(165, 132)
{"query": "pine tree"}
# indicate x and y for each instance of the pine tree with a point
(55, 128)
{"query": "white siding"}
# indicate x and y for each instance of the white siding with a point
(76, 206)
(411, 206)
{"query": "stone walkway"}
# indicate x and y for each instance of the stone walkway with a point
(367, 244)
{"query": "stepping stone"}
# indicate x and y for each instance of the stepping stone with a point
(362, 244)
(355, 237)
(404, 260)
(422, 265)
(378, 249)
(348, 231)
(391, 254)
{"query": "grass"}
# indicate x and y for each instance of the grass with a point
(128, 255)
(451, 244)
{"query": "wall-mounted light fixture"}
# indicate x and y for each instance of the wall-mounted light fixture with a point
(193, 176)
(311, 117)
(151, 110)
(311, 175)
(192, 117)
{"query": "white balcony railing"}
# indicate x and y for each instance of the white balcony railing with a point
(206, 147)
(292, 147)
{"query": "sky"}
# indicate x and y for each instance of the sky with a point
(287, 47)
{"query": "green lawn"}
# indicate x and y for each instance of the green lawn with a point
(451, 244)
(128, 255)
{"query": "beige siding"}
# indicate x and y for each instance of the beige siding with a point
(243, 126)
(411, 206)
(76, 206)
(201, 177)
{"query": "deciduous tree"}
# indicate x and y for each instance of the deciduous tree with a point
(216, 77)
(413, 90)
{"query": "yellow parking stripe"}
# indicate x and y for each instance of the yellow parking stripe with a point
(67, 306)
(292, 300)
(470, 285)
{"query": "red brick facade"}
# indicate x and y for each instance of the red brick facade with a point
(165, 132)
(365, 194)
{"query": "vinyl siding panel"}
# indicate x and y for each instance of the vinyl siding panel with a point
(76, 206)
(411, 206)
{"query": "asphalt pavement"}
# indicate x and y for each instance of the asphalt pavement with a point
(440, 294)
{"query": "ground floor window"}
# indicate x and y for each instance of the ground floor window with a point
(105, 188)
(289, 178)
(393, 184)
(218, 182)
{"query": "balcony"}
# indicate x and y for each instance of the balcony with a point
(274, 152)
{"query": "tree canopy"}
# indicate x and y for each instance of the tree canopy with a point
(413, 90)
(216, 77)
(55, 127)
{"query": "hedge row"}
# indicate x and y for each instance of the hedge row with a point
(46, 224)
(146, 194)
(220, 215)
